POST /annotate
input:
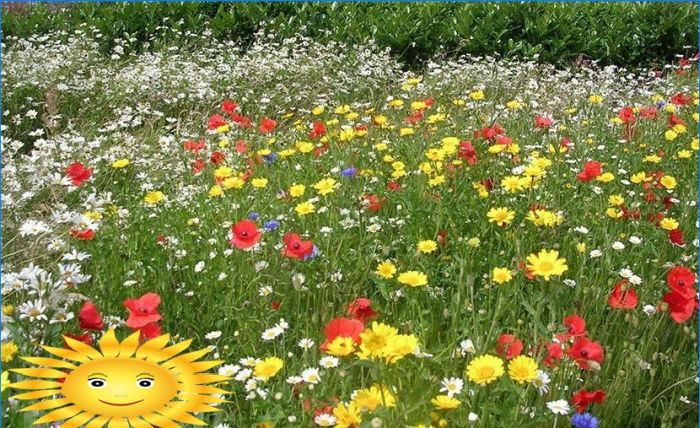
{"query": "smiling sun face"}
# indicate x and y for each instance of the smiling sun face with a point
(123, 384)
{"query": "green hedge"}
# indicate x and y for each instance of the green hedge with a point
(614, 33)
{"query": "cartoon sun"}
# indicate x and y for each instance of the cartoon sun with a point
(123, 384)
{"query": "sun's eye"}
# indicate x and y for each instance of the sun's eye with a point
(97, 383)
(144, 383)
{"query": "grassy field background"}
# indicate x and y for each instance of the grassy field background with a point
(133, 100)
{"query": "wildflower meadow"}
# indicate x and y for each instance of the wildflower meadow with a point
(481, 241)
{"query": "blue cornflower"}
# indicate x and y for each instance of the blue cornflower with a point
(271, 157)
(349, 172)
(314, 253)
(271, 225)
(253, 216)
(584, 420)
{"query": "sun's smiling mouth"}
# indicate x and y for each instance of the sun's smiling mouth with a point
(120, 404)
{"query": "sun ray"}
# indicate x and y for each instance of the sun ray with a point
(128, 346)
(200, 399)
(186, 358)
(98, 422)
(169, 352)
(36, 394)
(202, 366)
(178, 412)
(160, 421)
(82, 348)
(109, 345)
(206, 389)
(47, 405)
(49, 362)
(67, 354)
(35, 384)
(201, 379)
(152, 345)
(77, 420)
(43, 373)
(201, 408)
(118, 423)
(139, 423)
(58, 414)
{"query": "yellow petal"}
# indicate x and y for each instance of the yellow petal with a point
(152, 345)
(35, 384)
(47, 404)
(82, 348)
(58, 414)
(77, 420)
(109, 345)
(49, 362)
(38, 372)
(160, 421)
(67, 354)
(169, 352)
(129, 345)
(36, 394)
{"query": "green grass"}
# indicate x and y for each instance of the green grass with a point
(616, 33)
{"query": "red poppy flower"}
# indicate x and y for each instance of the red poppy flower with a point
(361, 309)
(627, 116)
(680, 306)
(323, 148)
(149, 331)
(565, 143)
(554, 354)
(78, 173)
(197, 166)
(295, 247)
(86, 338)
(229, 107)
(217, 157)
(318, 130)
(586, 353)
(374, 202)
(508, 346)
(216, 121)
(582, 399)
(82, 234)
(241, 120)
(467, 152)
(194, 146)
(575, 325)
(623, 296)
(542, 122)
(648, 113)
(489, 132)
(676, 237)
(241, 147)
(504, 140)
(680, 278)
(142, 311)
(394, 186)
(267, 125)
(681, 100)
(342, 327)
(591, 170)
(90, 318)
(415, 117)
(275, 305)
(245, 234)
